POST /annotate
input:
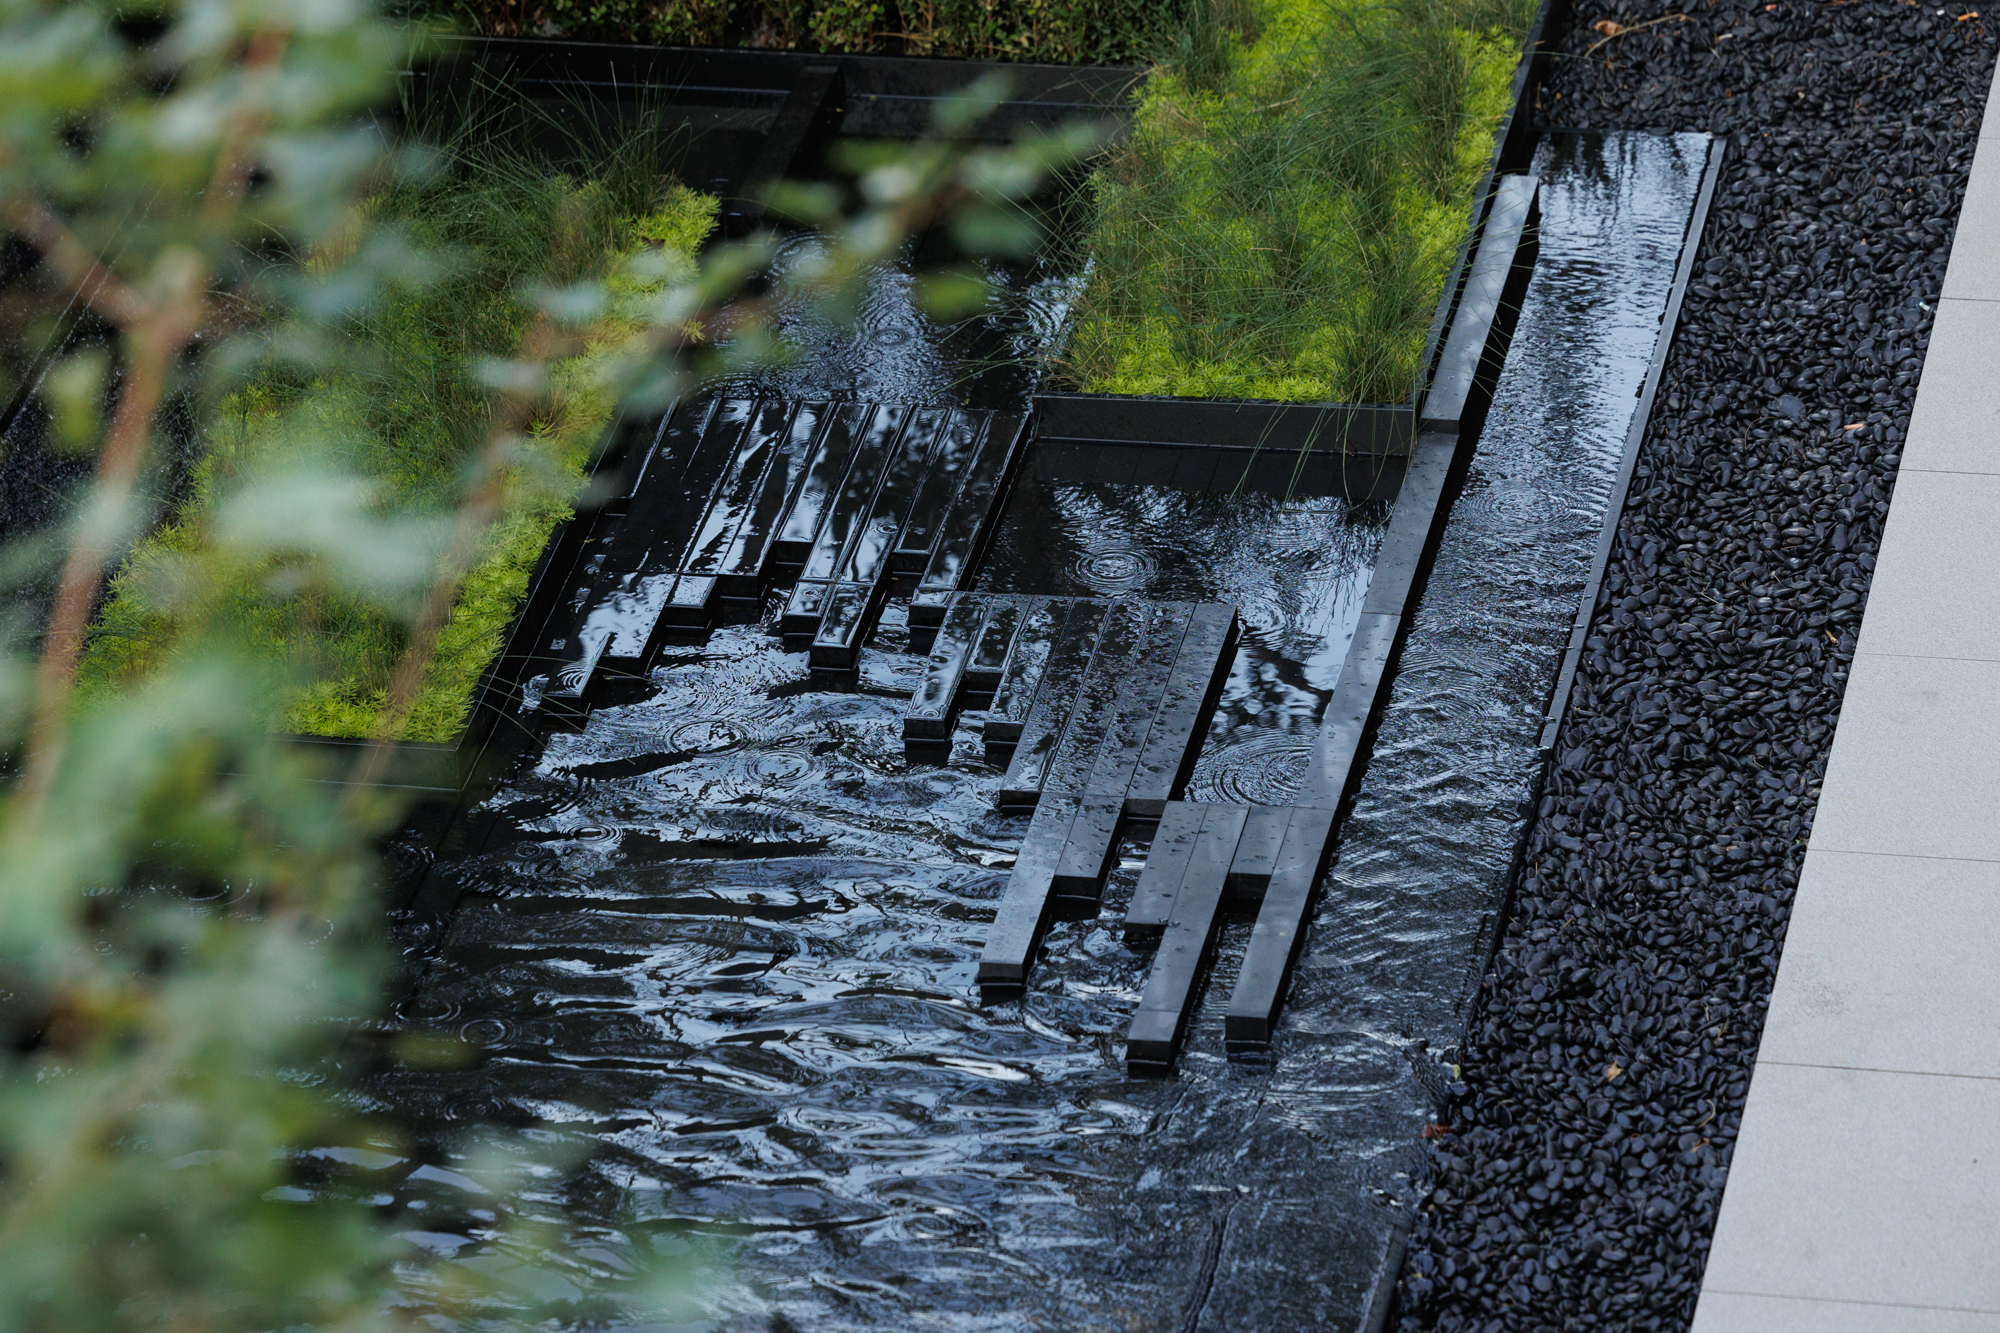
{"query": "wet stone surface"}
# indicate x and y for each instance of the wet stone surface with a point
(1612, 1045)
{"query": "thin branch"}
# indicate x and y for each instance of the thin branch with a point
(1613, 30)
(153, 343)
(37, 224)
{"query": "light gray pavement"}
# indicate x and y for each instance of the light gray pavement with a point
(1864, 1194)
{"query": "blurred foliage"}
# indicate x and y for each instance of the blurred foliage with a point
(1282, 219)
(191, 943)
(1097, 32)
(406, 395)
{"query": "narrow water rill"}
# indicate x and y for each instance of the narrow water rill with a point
(917, 776)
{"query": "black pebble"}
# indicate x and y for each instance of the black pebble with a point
(1625, 1000)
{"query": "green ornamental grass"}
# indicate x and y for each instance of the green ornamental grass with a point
(1298, 179)
(406, 388)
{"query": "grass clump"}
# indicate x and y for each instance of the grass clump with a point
(1298, 179)
(404, 409)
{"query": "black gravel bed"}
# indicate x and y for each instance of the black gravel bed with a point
(1575, 1182)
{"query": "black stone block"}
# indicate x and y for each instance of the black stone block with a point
(1257, 853)
(1274, 943)
(1187, 945)
(1087, 854)
(1173, 741)
(936, 700)
(1024, 906)
(1166, 862)
(850, 614)
(1014, 695)
(1055, 701)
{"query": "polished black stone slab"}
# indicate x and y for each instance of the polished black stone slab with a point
(1062, 677)
(1088, 852)
(1173, 740)
(1274, 942)
(973, 515)
(936, 701)
(1021, 676)
(1257, 853)
(1023, 913)
(1166, 862)
(1188, 943)
(989, 656)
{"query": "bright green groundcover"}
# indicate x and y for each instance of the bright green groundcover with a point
(407, 405)
(1282, 218)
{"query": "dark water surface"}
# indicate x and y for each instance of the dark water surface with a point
(722, 942)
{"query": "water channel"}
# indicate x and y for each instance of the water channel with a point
(717, 954)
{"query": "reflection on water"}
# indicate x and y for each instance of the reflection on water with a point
(1400, 937)
(894, 351)
(1296, 569)
(721, 943)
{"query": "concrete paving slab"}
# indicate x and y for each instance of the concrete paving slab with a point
(1955, 425)
(1852, 1185)
(1915, 769)
(1942, 527)
(1974, 274)
(1989, 126)
(1727, 1312)
(1888, 965)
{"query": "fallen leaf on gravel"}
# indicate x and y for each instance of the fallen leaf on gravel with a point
(1608, 28)
(1436, 1131)
(1614, 1070)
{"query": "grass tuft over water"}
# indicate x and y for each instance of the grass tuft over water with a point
(406, 410)
(1298, 179)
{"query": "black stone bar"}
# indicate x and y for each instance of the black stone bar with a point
(636, 440)
(1166, 862)
(1405, 548)
(973, 516)
(823, 479)
(689, 603)
(1279, 428)
(856, 498)
(811, 114)
(993, 649)
(1086, 855)
(799, 622)
(1455, 388)
(674, 443)
(850, 609)
(1257, 853)
(1108, 679)
(935, 702)
(1274, 943)
(1173, 742)
(1185, 949)
(1138, 701)
(1024, 907)
(743, 574)
(1055, 699)
(742, 483)
(566, 699)
(1014, 697)
(663, 516)
(1345, 720)
(958, 438)
(867, 557)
